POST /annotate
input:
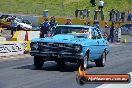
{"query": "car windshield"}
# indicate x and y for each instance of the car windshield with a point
(70, 30)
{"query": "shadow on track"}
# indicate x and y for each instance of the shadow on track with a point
(51, 66)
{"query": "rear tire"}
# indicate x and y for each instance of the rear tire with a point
(101, 62)
(38, 62)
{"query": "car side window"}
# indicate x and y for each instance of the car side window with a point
(98, 34)
(94, 34)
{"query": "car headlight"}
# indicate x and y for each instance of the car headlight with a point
(77, 48)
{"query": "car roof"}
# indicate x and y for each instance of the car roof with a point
(82, 26)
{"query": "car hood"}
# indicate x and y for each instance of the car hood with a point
(61, 38)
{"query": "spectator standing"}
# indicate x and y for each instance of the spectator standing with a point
(68, 22)
(111, 14)
(88, 13)
(119, 34)
(105, 30)
(52, 22)
(81, 13)
(45, 28)
(76, 13)
(123, 16)
(92, 2)
(117, 14)
(102, 15)
(13, 25)
(84, 13)
(96, 12)
(129, 18)
(111, 36)
(101, 5)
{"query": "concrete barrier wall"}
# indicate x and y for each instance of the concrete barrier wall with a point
(20, 35)
(9, 48)
(76, 21)
(2, 39)
(12, 48)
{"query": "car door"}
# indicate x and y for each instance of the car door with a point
(101, 42)
(94, 50)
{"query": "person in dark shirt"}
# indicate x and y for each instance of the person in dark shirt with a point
(76, 13)
(88, 13)
(111, 14)
(123, 16)
(129, 17)
(92, 2)
(81, 13)
(44, 28)
(111, 36)
(96, 12)
(52, 22)
(117, 14)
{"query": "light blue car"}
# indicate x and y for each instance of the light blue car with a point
(71, 43)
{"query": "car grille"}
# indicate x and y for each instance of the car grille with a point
(56, 47)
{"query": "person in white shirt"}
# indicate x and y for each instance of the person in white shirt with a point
(101, 4)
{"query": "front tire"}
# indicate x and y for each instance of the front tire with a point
(101, 62)
(38, 62)
(83, 62)
(61, 63)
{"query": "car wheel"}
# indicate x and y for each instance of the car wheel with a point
(101, 62)
(38, 62)
(84, 62)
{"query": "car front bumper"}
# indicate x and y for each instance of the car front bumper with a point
(57, 54)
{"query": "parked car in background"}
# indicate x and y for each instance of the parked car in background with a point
(4, 22)
(21, 23)
(71, 43)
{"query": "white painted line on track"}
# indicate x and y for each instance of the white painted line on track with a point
(129, 85)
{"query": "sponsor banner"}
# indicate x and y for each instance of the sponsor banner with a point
(83, 78)
(12, 48)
